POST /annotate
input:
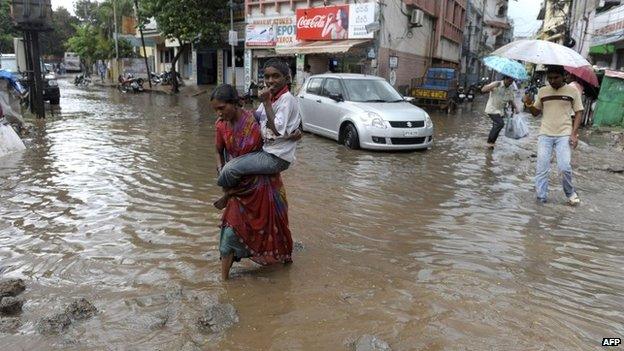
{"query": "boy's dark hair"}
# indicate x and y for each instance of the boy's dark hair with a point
(279, 65)
(558, 69)
(225, 93)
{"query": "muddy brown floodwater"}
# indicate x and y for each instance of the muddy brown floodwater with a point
(438, 250)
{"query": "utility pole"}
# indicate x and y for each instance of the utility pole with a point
(232, 44)
(147, 69)
(115, 20)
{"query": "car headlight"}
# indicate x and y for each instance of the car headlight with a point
(428, 121)
(53, 83)
(373, 119)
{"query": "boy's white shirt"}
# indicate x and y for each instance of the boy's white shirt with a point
(287, 120)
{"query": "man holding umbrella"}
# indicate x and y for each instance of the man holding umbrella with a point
(501, 93)
(557, 131)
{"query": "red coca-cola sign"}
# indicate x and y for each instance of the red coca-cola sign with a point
(323, 23)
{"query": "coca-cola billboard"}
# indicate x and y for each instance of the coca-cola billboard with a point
(323, 23)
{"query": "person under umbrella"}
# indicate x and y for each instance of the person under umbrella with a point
(501, 93)
(557, 132)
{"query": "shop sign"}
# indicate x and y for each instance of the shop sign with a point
(335, 22)
(260, 35)
(609, 27)
(323, 23)
(359, 16)
(393, 62)
(285, 30)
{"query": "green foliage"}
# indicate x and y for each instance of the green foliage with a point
(63, 28)
(7, 31)
(188, 20)
(92, 45)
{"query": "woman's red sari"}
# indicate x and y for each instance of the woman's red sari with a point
(259, 213)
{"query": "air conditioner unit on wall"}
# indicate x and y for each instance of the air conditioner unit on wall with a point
(417, 18)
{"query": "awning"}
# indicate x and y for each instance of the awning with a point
(320, 47)
(602, 49)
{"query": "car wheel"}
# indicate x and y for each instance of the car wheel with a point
(350, 137)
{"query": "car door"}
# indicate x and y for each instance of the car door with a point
(309, 102)
(332, 111)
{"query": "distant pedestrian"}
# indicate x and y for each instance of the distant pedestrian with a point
(556, 132)
(501, 93)
(102, 70)
(63, 68)
(303, 77)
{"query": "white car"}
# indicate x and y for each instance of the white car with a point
(363, 111)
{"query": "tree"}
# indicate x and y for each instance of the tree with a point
(7, 30)
(186, 21)
(63, 28)
(85, 43)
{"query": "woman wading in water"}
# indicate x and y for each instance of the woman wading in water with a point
(255, 221)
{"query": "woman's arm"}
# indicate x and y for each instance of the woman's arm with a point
(220, 159)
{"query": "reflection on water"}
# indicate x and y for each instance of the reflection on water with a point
(437, 250)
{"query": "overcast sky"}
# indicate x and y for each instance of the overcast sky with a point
(68, 4)
(523, 12)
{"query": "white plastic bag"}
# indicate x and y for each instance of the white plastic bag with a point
(9, 141)
(516, 127)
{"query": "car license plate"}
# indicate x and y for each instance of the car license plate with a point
(410, 133)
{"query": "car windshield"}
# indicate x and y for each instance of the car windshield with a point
(371, 90)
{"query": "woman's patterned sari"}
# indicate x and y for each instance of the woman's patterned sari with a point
(255, 221)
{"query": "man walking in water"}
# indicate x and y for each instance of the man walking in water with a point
(556, 132)
(501, 93)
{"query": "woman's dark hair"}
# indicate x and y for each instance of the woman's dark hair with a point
(279, 65)
(225, 93)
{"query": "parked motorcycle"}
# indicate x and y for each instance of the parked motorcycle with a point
(156, 78)
(130, 83)
(167, 78)
(252, 93)
(82, 80)
(531, 90)
(461, 94)
(471, 93)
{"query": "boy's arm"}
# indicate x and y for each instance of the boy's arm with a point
(265, 97)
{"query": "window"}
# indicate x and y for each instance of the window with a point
(332, 86)
(314, 87)
(371, 90)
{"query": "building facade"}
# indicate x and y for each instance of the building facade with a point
(498, 26)
(473, 45)
(607, 40)
(394, 39)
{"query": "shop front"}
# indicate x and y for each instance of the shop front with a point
(329, 39)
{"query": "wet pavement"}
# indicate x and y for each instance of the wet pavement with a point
(438, 250)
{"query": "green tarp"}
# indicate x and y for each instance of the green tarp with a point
(610, 106)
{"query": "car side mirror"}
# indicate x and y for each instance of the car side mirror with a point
(336, 97)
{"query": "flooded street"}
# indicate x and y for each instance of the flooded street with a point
(439, 250)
